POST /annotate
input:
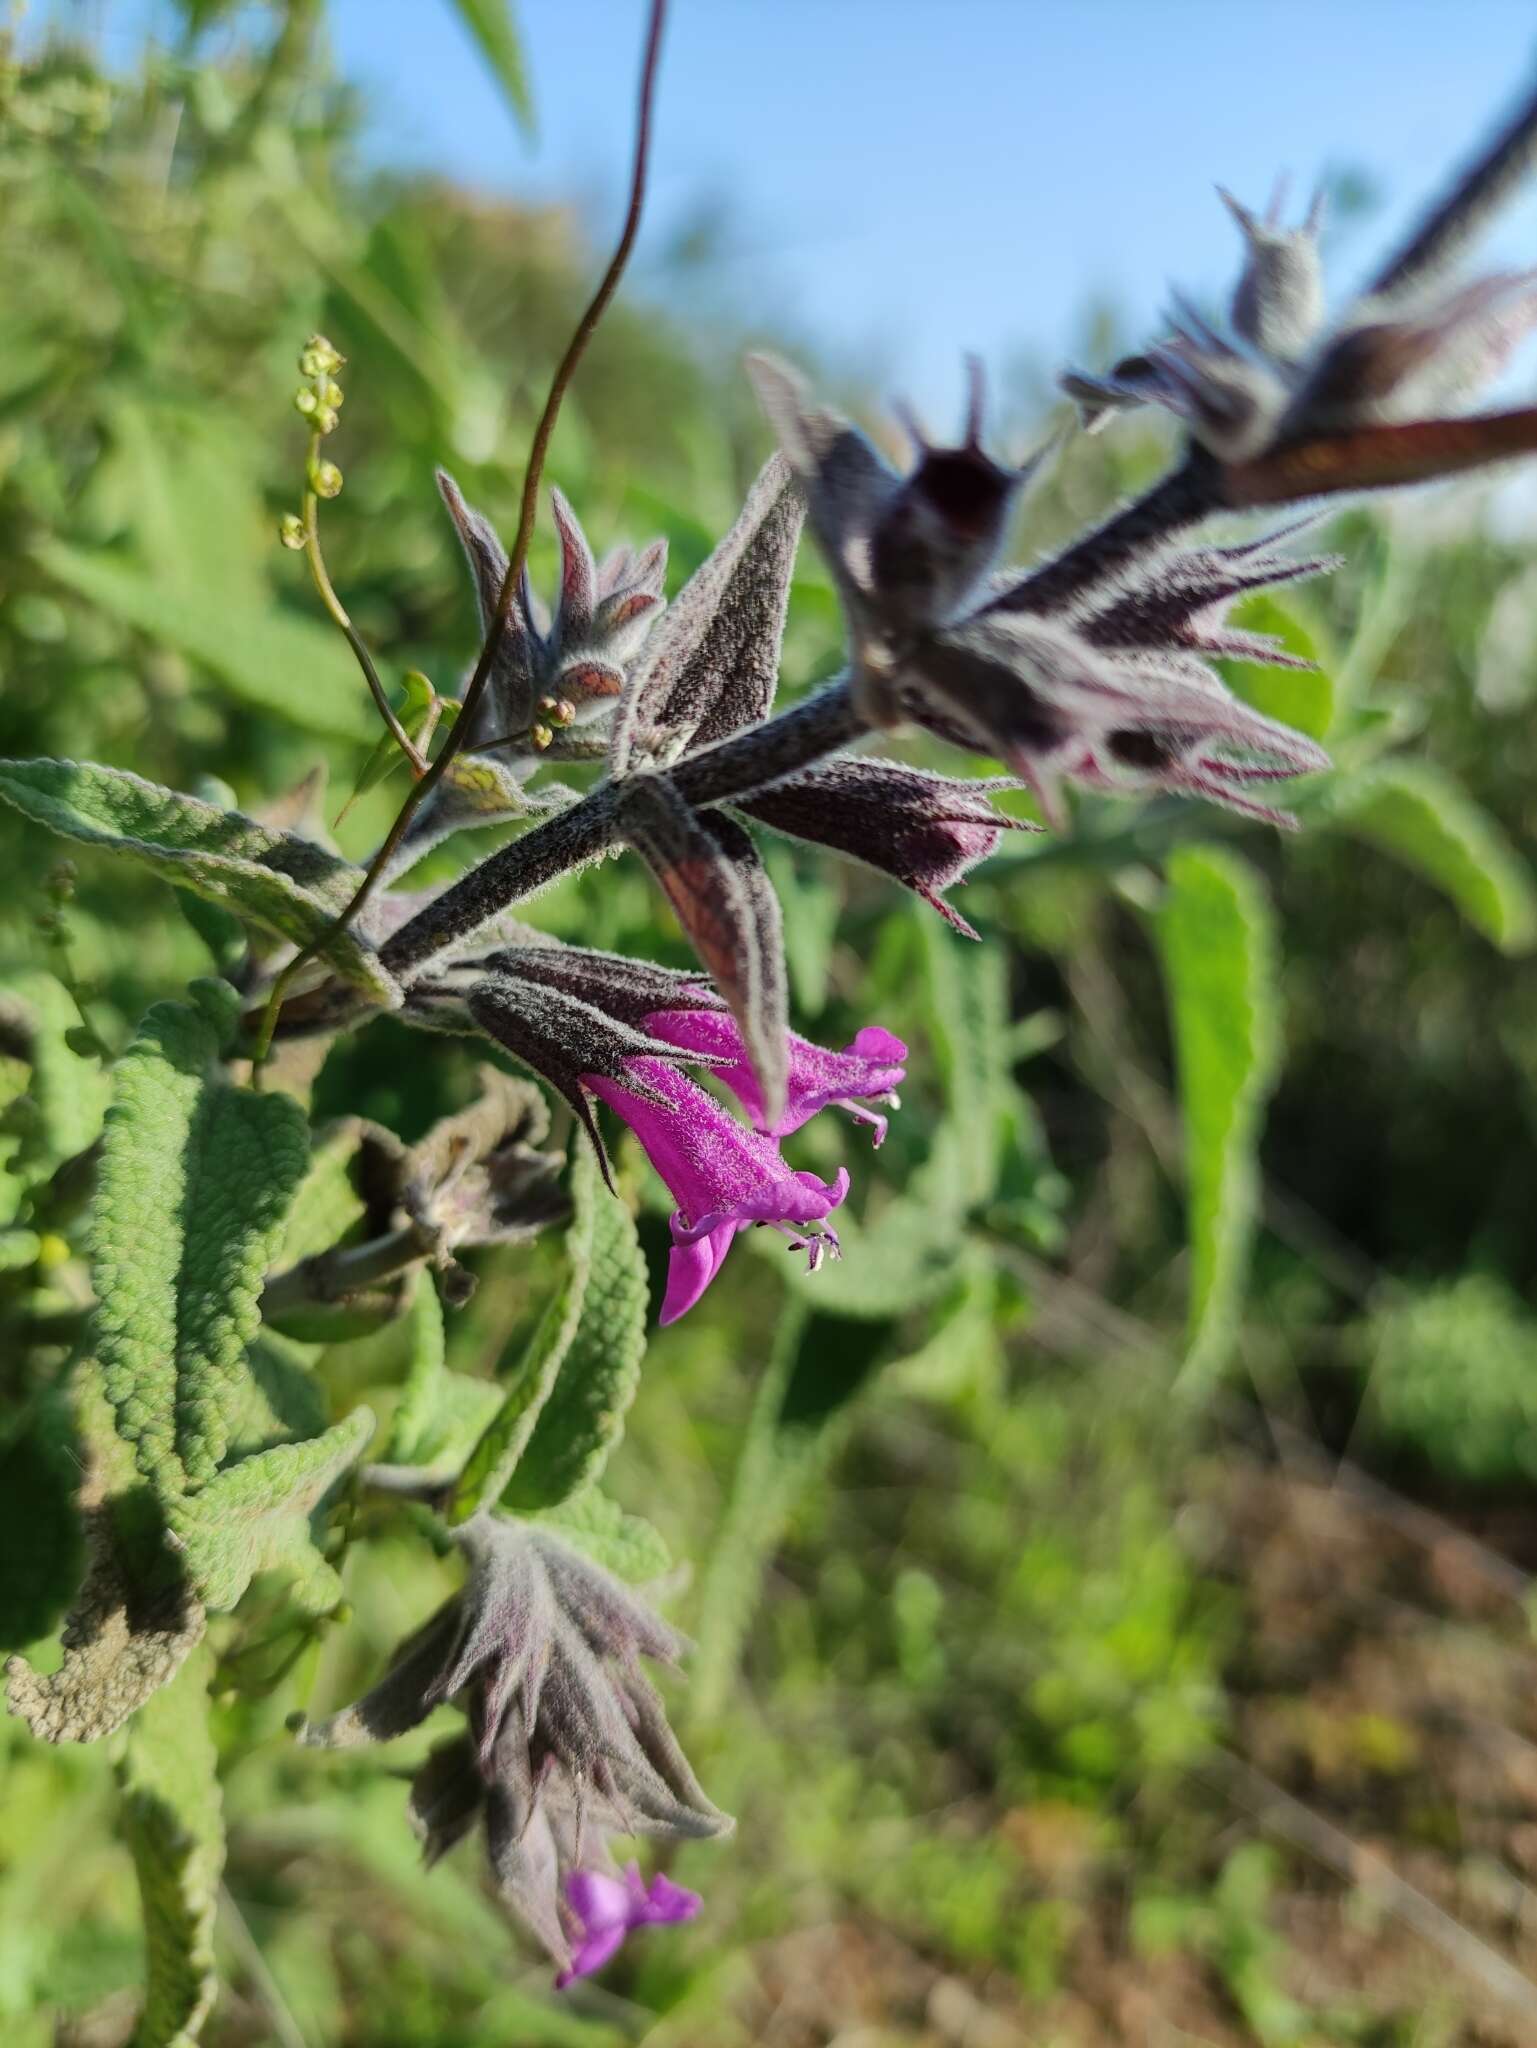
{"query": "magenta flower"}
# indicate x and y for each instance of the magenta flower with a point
(608, 1908)
(870, 1068)
(722, 1176)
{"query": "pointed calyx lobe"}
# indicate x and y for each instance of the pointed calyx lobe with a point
(1296, 406)
(710, 873)
(568, 1742)
(710, 667)
(572, 1019)
(723, 1177)
(575, 657)
(925, 831)
(907, 553)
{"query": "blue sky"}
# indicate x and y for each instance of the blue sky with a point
(910, 179)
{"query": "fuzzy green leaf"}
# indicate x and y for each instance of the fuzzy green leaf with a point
(495, 1458)
(328, 1204)
(493, 27)
(284, 665)
(255, 1516)
(583, 1418)
(273, 879)
(1216, 933)
(281, 1399)
(624, 1544)
(173, 1822)
(195, 1182)
(422, 1395)
(134, 1621)
(1429, 822)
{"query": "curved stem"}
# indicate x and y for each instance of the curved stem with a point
(565, 371)
(338, 611)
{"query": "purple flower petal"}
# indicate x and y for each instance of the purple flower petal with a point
(691, 1268)
(871, 1067)
(607, 1909)
(599, 1900)
(668, 1903)
(722, 1175)
(592, 1954)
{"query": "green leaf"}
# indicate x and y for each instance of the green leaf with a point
(18, 1250)
(133, 1621)
(68, 1090)
(626, 1545)
(492, 26)
(195, 1182)
(414, 710)
(819, 1363)
(282, 1398)
(1215, 933)
(255, 1516)
(968, 995)
(281, 664)
(1303, 698)
(422, 1395)
(582, 1419)
(495, 1458)
(328, 1204)
(461, 1414)
(40, 1541)
(173, 1823)
(1429, 822)
(274, 879)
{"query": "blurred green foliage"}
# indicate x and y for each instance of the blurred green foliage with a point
(957, 1649)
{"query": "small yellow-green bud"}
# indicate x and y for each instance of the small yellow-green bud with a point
(319, 358)
(541, 736)
(323, 419)
(305, 401)
(331, 392)
(326, 480)
(291, 531)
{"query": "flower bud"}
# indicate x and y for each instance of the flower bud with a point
(323, 419)
(291, 531)
(326, 480)
(305, 401)
(319, 357)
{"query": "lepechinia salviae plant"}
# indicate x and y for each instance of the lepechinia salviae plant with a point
(606, 720)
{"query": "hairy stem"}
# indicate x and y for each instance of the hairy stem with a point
(346, 1269)
(732, 768)
(1478, 193)
(1180, 499)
